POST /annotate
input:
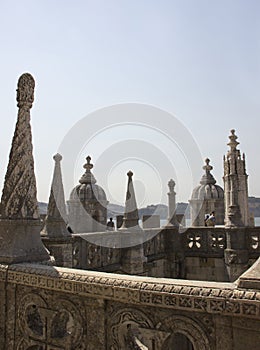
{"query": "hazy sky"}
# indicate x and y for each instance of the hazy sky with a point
(197, 60)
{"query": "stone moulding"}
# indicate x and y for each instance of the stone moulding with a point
(210, 297)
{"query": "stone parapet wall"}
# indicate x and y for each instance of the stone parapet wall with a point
(202, 253)
(75, 309)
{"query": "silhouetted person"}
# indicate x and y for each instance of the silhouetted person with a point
(110, 225)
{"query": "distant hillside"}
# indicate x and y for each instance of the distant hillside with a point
(42, 208)
(161, 209)
(157, 209)
(254, 206)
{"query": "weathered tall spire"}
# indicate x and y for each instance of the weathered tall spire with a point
(20, 224)
(19, 200)
(235, 185)
(131, 216)
(55, 225)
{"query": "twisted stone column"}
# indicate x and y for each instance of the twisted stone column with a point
(19, 193)
(20, 224)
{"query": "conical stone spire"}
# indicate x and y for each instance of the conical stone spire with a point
(20, 224)
(19, 199)
(131, 216)
(55, 222)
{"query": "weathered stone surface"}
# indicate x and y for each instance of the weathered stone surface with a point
(235, 186)
(131, 216)
(75, 309)
(20, 225)
(19, 199)
(172, 218)
(206, 198)
(251, 278)
(87, 204)
(55, 224)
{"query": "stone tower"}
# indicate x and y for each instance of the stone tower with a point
(20, 222)
(87, 204)
(207, 197)
(235, 185)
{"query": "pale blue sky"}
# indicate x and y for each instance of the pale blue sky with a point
(198, 60)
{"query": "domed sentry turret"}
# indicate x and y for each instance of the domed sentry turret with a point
(207, 197)
(87, 204)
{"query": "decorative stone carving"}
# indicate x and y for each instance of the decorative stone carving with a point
(207, 197)
(19, 192)
(126, 330)
(20, 225)
(53, 322)
(188, 327)
(194, 240)
(235, 186)
(87, 204)
(217, 241)
(150, 292)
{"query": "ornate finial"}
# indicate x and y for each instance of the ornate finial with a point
(233, 140)
(207, 167)
(57, 157)
(130, 174)
(25, 91)
(171, 185)
(207, 178)
(88, 165)
(88, 176)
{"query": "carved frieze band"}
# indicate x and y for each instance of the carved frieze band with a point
(205, 299)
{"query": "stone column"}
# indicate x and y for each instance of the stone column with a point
(172, 219)
(236, 253)
(20, 221)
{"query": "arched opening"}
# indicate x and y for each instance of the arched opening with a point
(178, 341)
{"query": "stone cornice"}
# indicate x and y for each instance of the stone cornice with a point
(197, 296)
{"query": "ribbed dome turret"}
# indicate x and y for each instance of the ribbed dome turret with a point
(88, 190)
(208, 188)
(87, 204)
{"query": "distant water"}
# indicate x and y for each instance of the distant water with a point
(257, 221)
(188, 222)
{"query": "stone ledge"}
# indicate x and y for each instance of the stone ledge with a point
(199, 296)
